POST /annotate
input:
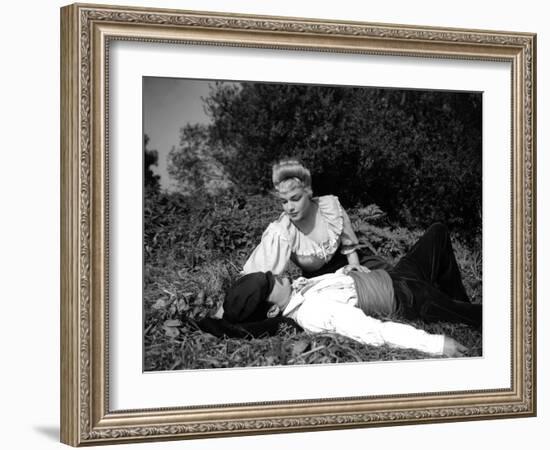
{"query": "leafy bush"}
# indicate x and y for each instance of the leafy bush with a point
(417, 154)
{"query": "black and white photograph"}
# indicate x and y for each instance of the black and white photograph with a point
(298, 224)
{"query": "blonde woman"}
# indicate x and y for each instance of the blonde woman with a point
(313, 232)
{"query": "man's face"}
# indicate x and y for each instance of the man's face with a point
(280, 295)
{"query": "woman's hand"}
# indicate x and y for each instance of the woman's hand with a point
(452, 348)
(353, 268)
(353, 264)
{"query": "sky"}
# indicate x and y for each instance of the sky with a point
(168, 105)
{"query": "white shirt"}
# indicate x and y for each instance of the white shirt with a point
(328, 303)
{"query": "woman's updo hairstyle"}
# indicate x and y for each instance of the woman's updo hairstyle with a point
(288, 174)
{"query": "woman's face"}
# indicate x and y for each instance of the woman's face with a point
(296, 203)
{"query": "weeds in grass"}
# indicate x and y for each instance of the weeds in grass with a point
(195, 247)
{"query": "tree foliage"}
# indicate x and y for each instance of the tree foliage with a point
(192, 164)
(415, 153)
(150, 157)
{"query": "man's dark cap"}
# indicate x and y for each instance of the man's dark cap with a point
(246, 300)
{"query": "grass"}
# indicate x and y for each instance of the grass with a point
(194, 248)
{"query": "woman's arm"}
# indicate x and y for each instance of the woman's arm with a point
(349, 244)
(272, 253)
(353, 258)
(348, 237)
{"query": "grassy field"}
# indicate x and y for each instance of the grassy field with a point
(194, 248)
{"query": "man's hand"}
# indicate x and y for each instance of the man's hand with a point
(452, 348)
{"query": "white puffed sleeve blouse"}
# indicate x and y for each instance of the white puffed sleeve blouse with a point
(283, 242)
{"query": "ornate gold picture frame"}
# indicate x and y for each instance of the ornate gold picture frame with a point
(87, 32)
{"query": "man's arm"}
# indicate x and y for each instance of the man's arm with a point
(350, 321)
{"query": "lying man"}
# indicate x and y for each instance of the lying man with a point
(425, 284)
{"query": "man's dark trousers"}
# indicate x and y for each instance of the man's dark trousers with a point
(428, 284)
